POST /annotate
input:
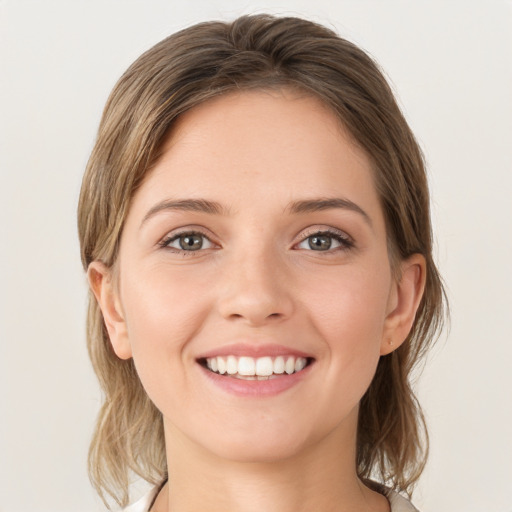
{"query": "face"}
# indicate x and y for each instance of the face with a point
(253, 287)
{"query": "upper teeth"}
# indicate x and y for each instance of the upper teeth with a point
(261, 366)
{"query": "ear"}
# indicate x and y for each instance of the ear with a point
(103, 286)
(403, 303)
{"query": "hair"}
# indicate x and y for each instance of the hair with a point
(182, 71)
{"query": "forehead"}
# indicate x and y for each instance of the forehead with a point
(247, 147)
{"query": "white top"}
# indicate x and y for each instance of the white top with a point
(398, 503)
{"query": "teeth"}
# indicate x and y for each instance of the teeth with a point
(289, 366)
(246, 366)
(279, 365)
(261, 368)
(232, 365)
(300, 363)
(221, 365)
(264, 366)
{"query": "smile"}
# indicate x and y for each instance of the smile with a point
(251, 368)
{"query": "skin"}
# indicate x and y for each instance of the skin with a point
(256, 280)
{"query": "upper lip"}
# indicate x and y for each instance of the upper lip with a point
(253, 350)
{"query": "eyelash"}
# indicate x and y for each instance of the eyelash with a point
(165, 242)
(346, 243)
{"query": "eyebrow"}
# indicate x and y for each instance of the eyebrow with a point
(190, 205)
(317, 205)
(296, 207)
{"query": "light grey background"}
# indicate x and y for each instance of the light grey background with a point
(450, 63)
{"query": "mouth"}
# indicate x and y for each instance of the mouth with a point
(255, 368)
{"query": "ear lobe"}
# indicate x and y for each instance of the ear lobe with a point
(102, 285)
(404, 302)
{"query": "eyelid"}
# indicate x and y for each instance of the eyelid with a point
(342, 236)
(173, 235)
(328, 230)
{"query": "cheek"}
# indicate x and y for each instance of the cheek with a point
(162, 306)
(348, 311)
(350, 302)
(163, 312)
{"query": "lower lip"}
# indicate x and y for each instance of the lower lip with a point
(256, 388)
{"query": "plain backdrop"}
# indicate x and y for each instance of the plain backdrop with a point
(450, 63)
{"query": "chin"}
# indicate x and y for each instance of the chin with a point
(258, 446)
(259, 453)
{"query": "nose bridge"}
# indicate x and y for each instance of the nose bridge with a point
(254, 286)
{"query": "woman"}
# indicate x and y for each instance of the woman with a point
(254, 221)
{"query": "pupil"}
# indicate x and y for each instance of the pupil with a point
(191, 242)
(320, 242)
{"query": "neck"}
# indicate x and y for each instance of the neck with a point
(322, 477)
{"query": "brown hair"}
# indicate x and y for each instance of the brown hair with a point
(182, 71)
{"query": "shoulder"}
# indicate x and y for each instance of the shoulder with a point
(398, 502)
(144, 503)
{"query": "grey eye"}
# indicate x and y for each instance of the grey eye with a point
(320, 242)
(325, 242)
(190, 242)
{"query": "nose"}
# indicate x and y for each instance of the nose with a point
(255, 289)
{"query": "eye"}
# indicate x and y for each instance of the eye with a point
(324, 241)
(188, 242)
